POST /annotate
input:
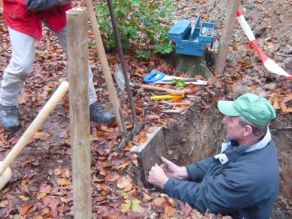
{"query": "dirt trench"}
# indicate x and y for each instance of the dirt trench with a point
(199, 134)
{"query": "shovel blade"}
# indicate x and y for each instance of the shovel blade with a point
(119, 76)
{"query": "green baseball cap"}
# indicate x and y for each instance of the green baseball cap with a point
(253, 108)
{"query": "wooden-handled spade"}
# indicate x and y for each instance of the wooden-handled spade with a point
(105, 68)
(5, 171)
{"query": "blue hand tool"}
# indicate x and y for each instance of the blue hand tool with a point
(162, 78)
(153, 77)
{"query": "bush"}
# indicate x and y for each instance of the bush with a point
(143, 25)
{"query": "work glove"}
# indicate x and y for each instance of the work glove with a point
(39, 5)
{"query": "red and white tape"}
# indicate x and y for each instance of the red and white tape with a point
(270, 64)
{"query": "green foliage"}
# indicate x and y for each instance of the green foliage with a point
(145, 55)
(179, 83)
(143, 25)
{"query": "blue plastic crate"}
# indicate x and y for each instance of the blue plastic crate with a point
(192, 40)
(180, 30)
(207, 32)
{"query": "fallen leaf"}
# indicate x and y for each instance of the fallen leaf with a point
(38, 217)
(25, 209)
(283, 107)
(23, 197)
(196, 214)
(123, 165)
(186, 209)
(4, 203)
(133, 205)
(99, 133)
(143, 139)
(38, 134)
(287, 98)
(128, 188)
(45, 188)
(169, 211)
(65, 200)
(146, 197)
(124, 182)
(126, 206)
(276, 104)
(57, 172)
(135, 162)
(41, 195)
(66, 106)
(53, 206)
(136, 206)
(68, 141)
(91, 138)
(63, 182)
(49, 89)
(106, 128)
(100, 198)
(67, 174)
(47, 213)
(159, 201)
(17, 216)
(103, 188)
(112, 177)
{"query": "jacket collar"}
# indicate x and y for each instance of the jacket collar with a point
(230, 153)
(248, 148)
(260, 144)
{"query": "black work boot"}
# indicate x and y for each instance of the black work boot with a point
(97, 115)
(9, 118)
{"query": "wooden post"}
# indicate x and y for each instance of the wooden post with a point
(77, 28)
(226, 36)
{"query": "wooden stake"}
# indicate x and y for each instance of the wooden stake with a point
(226, 36)
(77, 19)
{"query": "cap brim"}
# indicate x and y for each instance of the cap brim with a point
(226, 108)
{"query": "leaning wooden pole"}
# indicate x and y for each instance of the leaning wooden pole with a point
(105, 67)
(77, 19)
(226, 36)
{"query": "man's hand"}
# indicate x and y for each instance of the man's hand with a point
(172, 170)
(157, 176)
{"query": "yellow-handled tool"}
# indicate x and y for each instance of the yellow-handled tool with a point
(166, 97)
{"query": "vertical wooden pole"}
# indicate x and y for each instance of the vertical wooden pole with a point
(226, 36)
(77, 28)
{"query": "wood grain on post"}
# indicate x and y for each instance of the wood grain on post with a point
(77, 28)
(226, 36)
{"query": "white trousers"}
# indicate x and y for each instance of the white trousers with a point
(20, 66)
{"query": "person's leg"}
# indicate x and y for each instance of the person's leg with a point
(91, 91)
(96, 114)
(19, 67)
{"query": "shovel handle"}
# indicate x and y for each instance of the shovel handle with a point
(35, 125)
(167, 90)
(105, 66)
